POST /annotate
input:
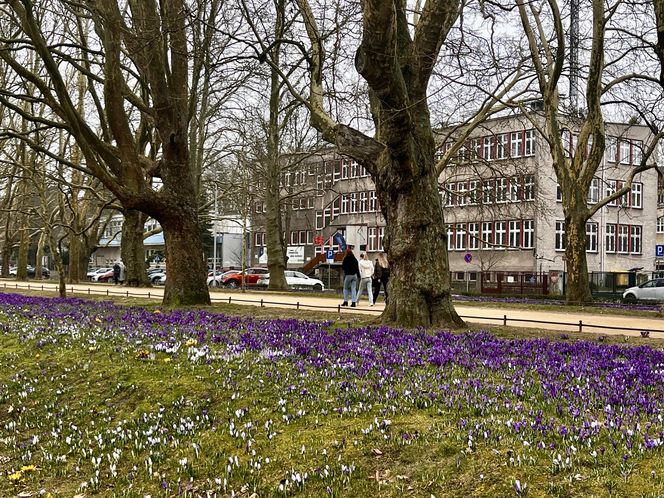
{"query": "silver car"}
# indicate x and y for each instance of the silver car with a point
(652, 290)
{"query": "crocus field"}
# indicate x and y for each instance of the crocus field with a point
(101, 399)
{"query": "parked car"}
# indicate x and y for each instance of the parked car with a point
(45, 272)
(103, 277)
(652, 290)
(221, 276)
(156, 276)
(97, 272)
(250, 277)
(295, 280)
(161, 280)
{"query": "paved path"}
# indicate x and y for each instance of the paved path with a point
(564, 321)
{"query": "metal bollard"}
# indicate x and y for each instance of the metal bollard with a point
(580, 326)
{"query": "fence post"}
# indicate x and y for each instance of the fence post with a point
(504, 320)
(261, 302)
(148, 294)
(229, 299)
(298, 305)
(107, 292)
(580, 326)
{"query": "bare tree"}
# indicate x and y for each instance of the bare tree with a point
(543, 26)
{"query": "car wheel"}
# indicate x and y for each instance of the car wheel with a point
(318, 287)
(630, 298)
(213, 283)
(232, 284)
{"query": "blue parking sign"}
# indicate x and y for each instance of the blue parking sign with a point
(329, 254)
(659, 251)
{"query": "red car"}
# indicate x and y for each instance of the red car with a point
(251, 276)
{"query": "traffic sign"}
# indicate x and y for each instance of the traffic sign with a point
(468, 257)
(329, 254)
(659, 250)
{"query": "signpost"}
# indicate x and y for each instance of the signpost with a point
(659, 251)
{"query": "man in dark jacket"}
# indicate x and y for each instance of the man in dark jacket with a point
(351, 270)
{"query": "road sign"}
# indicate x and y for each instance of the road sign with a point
(659, 251)
(468, 257)
(329, 254)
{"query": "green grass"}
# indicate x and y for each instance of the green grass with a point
(87, 390)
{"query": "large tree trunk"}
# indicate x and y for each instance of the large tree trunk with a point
(186, 270)
(577, 285)
(74, 258)
(133, 249)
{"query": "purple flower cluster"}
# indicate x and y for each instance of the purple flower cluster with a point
(560, 400)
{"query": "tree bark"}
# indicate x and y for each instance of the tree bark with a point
(577, 285)
(74, 258)
(133, 249)
(184, 264)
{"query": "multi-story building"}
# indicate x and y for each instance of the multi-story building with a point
(502, 203)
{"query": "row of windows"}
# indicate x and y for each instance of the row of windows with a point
(348, 203)
(618, 150)
(297, 238)
(512, 234)
(489, 191)
(520, 143)
(632, 199)
(623, 239)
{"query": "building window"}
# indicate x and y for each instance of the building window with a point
(612, 188)
(516, 143)
(450, 196)
(624, 152)
(635, 195)
(488, 146)
(363, 202)
(487, 191)
(501, 190)
(450, 237)
(611, 149)
(462, 198)
(353, 202)
(372, 201)
(473, 194)
(515, 234)
(591, 237)
(487, 234)
(501, 146)
(660, 224)
(344, 169)
(528, 234)
(319, 220)
(529, 188)
(559, 193)
(515, 189)
(476, 148)
(302, 238)
(293, 238)
(460, 237)
(593, 191)
(623, 239)
(637, 152)
(310, 237)
(499, 234)
(636, 239)
(610, 237)
(473, 236)
(561, 239)
(529, 142)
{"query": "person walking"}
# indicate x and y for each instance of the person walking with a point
(383, 271)
(375, 281)
(123, 269)
(351, 270)
(116, 272)
(366, 274)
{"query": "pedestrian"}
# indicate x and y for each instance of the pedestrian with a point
(351, 269)
(383, 267)
(123, 269)
(366, 274)
(116, 272)
(375, 281)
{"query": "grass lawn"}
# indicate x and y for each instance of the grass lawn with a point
(107, 399)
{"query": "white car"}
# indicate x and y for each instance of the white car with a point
(97, 272)
(295, 280)
(652, 290)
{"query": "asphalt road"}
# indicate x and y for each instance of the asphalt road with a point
(552, 320)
